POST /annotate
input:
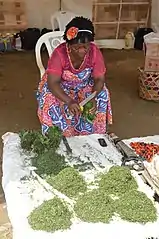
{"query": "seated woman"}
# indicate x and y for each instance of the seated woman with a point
(75, 70)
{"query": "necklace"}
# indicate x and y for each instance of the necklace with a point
(82, 63)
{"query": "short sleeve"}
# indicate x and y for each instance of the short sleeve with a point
(99, 68)
(54, 64)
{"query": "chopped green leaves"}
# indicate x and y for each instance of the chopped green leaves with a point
(51, 216)
(69, 182)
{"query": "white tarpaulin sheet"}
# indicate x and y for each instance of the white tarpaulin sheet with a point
(22, 196)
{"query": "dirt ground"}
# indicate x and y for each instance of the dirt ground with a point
(19, 77)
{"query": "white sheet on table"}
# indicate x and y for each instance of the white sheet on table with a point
(23, 196)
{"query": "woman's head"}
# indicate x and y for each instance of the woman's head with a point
(78, 34)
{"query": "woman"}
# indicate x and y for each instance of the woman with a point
(75, 70)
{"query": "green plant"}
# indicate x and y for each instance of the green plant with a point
(86, 112)
(136, 207)
(94, 206)
(68, 182)
(117, 181)
(50, 216)
(32, 140)
(49, 163)
(46, 160)
(27, 139)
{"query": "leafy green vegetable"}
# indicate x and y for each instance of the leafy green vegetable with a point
(27, 139)
(88, 106)
(86, 112)
(38, 143)
(90, 117)
(117, 181)
(136, 207)
(55, 135)
(94, 206)
(50, 216)
(49, 163)
(46, 160)
(68, 182)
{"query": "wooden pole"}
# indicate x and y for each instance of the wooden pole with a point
(119, 19)
(60, 3)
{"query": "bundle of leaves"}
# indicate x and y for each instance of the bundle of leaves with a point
(86, 112)
(27, 139)
(46, 160)
(117, 181)
(34, 140)
(68, 182)
(136, 207)
(50, 216)
(94, 206)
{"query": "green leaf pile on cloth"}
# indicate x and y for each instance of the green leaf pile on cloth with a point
(46, 160)
(94, 206)
(69, 182)
(116, 193)
(51, 216)
(117, 181)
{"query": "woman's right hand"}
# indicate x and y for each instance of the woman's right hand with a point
(74, 107)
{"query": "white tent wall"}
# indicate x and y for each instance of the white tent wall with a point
(39, 13)
(155, 15)
(83, 8)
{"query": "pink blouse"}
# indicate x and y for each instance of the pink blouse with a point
(60, 61)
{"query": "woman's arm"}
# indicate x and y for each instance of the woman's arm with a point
(98, 84)
(54, 72)
(99, 70)
(56, 90)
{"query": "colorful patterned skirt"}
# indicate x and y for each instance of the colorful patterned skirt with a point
(53, 112)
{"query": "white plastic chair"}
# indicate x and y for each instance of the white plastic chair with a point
(60, 19)
(51, 41)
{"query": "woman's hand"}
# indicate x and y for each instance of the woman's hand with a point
(74, 107)
(94, 108)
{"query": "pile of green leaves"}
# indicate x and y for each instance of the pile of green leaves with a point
(68, 182)
(38, 143)
(117, 181)
(131, 205)
(50, 216)
(49, 163)
(94, 206)
(86, 112)
(136, 207)
(45, 159)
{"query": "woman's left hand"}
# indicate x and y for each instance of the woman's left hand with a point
(94, 108)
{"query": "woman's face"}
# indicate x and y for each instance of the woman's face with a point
(80, 49)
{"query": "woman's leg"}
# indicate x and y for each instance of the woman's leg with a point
(104, 113)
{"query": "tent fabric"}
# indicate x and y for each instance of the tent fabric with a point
(39, 11)
(40, 16)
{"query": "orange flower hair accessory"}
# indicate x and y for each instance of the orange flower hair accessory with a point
(72, 33)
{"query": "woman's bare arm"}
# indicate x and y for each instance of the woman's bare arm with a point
(56, 90)
(99, 84)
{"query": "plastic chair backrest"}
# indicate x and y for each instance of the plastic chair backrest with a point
(51, 41)
(60, 19)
